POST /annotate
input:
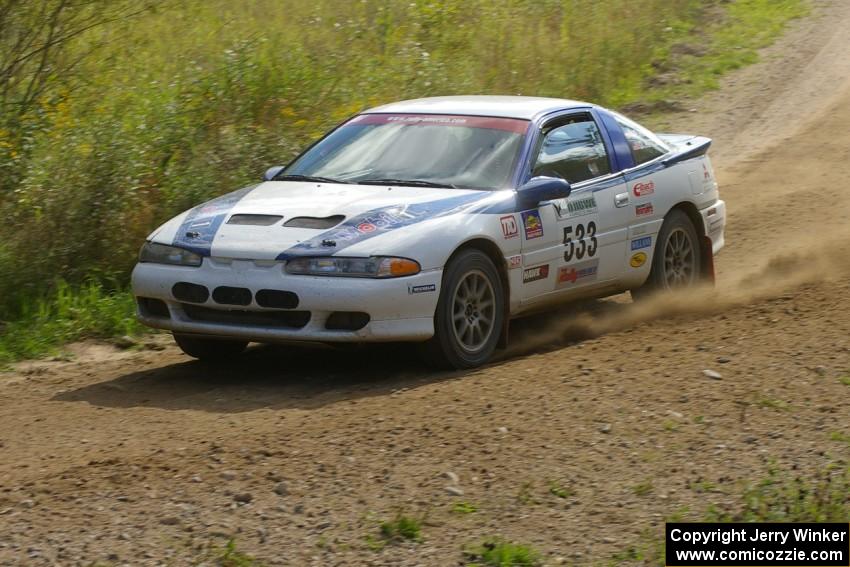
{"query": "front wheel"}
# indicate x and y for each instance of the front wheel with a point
(677, 262)
(213, 350)
(470, 313)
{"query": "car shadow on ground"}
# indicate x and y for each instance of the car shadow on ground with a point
(312, 376)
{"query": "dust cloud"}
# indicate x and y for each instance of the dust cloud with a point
(802, 263)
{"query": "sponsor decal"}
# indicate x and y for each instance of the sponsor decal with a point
(577, 273)
(707, 181)
(535, 273)
(644, 210)
(422, 288)
(514, 262)
(637, 260)
(644, 189)
(509, 227)
(507, 124)
(644, 242)
(533, 224)
(577, 207)
(201, 224)
(384, 219)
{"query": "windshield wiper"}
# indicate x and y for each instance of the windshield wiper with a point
(315, 178)
(411, 182)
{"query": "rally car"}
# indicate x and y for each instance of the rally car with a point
(436, 220)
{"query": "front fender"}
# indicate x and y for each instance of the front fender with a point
(432, 242)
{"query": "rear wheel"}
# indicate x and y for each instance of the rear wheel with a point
(677, 262)
(470, 313)
(209, 349)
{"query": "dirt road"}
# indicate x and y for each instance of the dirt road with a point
(144, 457)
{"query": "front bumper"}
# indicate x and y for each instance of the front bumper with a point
(398, 309)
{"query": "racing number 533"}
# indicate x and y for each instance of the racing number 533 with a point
(585, 243)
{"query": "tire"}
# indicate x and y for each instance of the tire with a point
(677, 262)
(470, 313)
(212, 350)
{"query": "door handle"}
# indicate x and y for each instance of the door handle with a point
(621, 200)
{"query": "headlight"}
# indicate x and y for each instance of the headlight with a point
(374, 267)
(162, 254)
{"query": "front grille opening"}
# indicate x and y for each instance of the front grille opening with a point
(282, 319)
(314, 222)
(194, 293)
(347, 321)
(232, 295)
(276, 299)
(150, 307)
(254, 220)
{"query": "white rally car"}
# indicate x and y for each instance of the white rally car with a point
(436, 220)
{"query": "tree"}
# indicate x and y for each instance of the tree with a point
(37, 55)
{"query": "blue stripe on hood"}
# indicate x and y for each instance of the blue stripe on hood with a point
(200, 226)
(379, 221)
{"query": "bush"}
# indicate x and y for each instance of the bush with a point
(69, 314)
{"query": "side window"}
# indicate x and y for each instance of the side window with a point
(573, 150)
(645, 145)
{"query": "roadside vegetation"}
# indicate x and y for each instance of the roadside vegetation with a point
(231, 556)
(67, 314)
(401, 528)
(780, 496)
(116, 115)
(501, 553)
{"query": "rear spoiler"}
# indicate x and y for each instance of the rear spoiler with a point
(685, 147)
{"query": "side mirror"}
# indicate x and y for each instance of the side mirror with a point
(539, 189)
(272, 172)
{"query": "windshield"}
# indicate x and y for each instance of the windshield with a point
(426, 149)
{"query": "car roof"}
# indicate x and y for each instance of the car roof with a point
(523, 107)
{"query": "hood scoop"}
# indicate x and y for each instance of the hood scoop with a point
(314, 222)
(254, 220)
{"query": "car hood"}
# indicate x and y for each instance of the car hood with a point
(363, 212)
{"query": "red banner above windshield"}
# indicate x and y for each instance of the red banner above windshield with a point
(508, 124)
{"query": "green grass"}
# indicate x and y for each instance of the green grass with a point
(500, 553)
(781, 497)
(778, 497)
(702, 486)
(840, 437)
(401, 528)
(772, 403)
(643, 489)
(560, 491)
(230, 556)
(464, 508)
(699, 54)
(525, 494)
(845, 380)
(69, 314)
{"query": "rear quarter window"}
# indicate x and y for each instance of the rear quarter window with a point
(644, 145)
